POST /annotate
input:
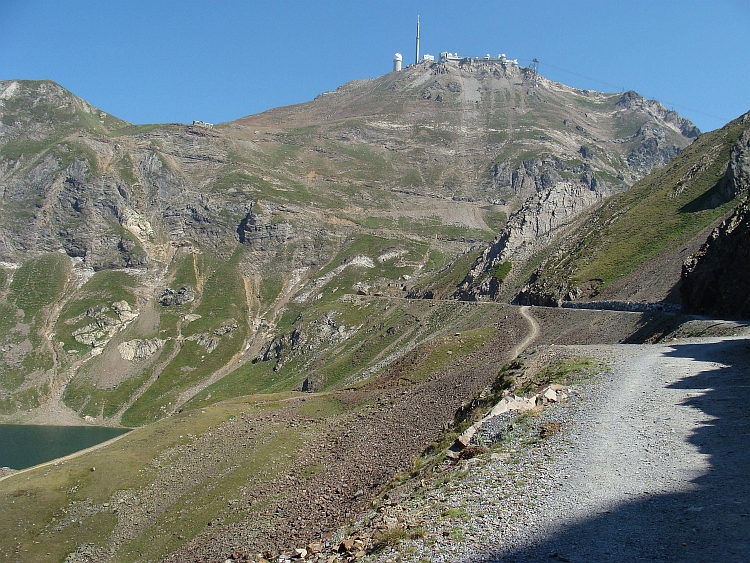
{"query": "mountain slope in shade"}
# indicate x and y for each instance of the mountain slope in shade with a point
(716, 280)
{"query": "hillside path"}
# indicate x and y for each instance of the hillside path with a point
(534, 326)
(654, 465)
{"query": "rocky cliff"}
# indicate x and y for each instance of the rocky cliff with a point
(716, 280)
(629, 248)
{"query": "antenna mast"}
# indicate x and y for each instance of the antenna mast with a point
(534, 66)
(416, 58)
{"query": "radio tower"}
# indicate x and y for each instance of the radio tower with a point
(416, 58)
(534, 67)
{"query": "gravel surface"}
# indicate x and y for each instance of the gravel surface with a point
(649, 465)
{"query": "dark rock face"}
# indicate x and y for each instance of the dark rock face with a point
(716, 280)
(653, 150)
(256, 231)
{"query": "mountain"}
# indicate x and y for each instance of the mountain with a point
(384, 186)
(633, 246)
(272, 302)
(715, 280)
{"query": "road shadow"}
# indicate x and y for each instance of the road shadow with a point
(710, 523)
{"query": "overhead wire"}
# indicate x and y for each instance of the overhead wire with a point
(622, 88)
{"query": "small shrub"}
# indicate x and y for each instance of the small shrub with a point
(393, 536)
(549, 428)
(454, 514)
(501, 271)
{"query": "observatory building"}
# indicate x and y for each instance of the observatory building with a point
(446, 56)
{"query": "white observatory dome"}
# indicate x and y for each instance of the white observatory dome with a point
(397, 62)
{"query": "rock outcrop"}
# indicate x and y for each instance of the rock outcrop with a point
(716, 280)
(184, 295)
(105, 324)
(528, 230)
(140, 349)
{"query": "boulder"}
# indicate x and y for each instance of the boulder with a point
(171, 297)
(137, 349)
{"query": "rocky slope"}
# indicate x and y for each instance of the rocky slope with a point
(268, 473)
(632, 246)
(715, 280)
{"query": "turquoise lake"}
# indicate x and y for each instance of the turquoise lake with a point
(25, 445)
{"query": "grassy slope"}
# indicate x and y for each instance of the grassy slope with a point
(36, 285)
(668, 206)
(66, 504)
(51, 502)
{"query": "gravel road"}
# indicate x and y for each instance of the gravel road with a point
(651, 465)
(658, 468)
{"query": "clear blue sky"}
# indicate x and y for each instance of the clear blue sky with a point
(175, 61)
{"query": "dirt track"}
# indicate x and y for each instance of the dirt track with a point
(658, 468)
(651, 465)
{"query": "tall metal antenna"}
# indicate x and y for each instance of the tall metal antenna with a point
(416, 58)
(534, 67)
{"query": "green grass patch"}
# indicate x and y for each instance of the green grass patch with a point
(270, 288)
(442, 283)
(436, 260)
(248, 379)
(496, 220)
(501, 271)
(454, 514)
(137, 129)
(436, 354)
(26, 148)
(39, 282)
(20, 401)
(569, 371)
(126, 169)
(374, 246)
(322, 406)
(434, 226)
(375, 222)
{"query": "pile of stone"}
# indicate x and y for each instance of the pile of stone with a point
(139, 349)
(183, 295)
(314, 551)
(105, 325)
(499, 420)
